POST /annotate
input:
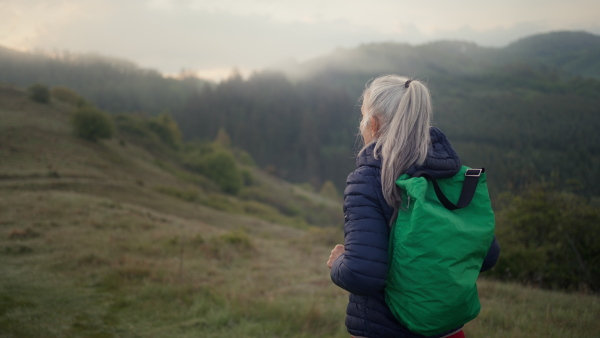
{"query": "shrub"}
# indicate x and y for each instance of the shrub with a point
(328, 190)
(150, 131)
(223, 138)
(166, 129)
(220, 167)
(136, 127)
(39, 93)
(550, 239)
(248, 178)
(244, 157)
(92, 124)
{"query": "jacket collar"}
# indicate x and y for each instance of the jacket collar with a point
(442, 160)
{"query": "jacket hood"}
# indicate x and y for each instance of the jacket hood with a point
(442, 160)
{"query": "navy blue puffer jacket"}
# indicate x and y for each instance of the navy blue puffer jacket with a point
(362, 268)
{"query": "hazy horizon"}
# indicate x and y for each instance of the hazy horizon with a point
(212, 37)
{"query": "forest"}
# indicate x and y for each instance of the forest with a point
(527, 112)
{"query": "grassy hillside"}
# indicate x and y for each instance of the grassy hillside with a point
(104, 240)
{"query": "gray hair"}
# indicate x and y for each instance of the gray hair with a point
(403, 112)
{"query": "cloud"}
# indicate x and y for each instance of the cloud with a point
(179, 38)
(214, 35)
(23, 23)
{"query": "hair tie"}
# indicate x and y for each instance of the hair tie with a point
(407, 83)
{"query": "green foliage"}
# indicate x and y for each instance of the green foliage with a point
(297, 121)
(92, 124)
(67, 95)
(166, 129)
(329, 190)
(551, 239)
(219, 165)
(134, 126)
(244, 157)
(161, 131)
(223, 138)
(247, 178)
(39, 93)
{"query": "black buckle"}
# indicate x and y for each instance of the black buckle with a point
(474, 172)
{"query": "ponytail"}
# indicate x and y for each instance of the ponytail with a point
(403, 109)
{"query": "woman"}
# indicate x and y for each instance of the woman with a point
(398, 137)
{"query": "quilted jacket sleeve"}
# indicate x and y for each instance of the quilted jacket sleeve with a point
(362, 268)
(492, 256)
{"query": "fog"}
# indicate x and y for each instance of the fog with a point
(212, 37)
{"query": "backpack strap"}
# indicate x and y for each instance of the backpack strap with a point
(466, 194)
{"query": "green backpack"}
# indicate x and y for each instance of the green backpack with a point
(437, 248)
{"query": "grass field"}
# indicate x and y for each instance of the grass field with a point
(97, 240)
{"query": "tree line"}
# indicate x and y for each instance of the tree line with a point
(525, 126)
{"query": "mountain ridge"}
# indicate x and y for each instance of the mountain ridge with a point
(462, 55)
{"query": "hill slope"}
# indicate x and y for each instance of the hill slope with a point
(92, 245)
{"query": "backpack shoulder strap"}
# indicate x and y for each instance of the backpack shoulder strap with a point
(466, 194)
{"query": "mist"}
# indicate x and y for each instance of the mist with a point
(211, 38)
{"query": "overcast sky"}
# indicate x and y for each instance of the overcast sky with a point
(214, 36)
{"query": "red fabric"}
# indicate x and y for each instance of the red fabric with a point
(459, 334)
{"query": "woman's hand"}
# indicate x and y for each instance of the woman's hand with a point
(335, 253)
